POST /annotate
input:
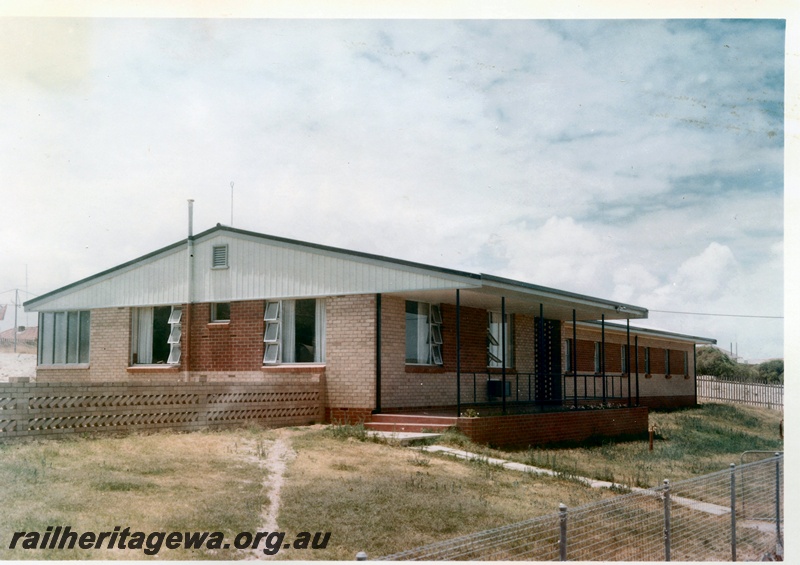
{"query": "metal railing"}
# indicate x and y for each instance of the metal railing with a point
(739, 392)
(735, 514)
(547, 389)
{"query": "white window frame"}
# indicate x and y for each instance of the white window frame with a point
(494, 339)
(428, 337)
(65, 338)
(624, 364)
(140, 332)
(279, 327)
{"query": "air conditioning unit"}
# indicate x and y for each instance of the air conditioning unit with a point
(496, 387)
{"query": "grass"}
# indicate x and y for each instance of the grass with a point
(150, 483)
(687, 443)
(372, 496)
(380, 498)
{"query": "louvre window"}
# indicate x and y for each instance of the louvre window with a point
(156, 335)
(423, 333)
(494, 339)
(64, 337)
(219, 258)
(295, 331)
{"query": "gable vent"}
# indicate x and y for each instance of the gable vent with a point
(219, 258)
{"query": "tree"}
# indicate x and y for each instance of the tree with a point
(713, 361)
(771, 371)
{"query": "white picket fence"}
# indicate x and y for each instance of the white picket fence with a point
(712, 389)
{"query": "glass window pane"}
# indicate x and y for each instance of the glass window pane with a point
(174, 354)
(175, 315)
(272, 332)
(175, 335)
(271, 353)
(436, 335)
(161, 331)
(60, 348)
(85, 333)
(304, 330)
(221, 312)
(47, 338)
(72, 337)
(273, 311)
(417, 332)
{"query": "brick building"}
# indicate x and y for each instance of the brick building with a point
(378, 334)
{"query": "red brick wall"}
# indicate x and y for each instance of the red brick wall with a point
(474, 324)
(541, 429)
(237, 345)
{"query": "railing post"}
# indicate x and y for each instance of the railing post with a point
(733, 512)
(562, 540)
(778, 498)
(667, 521)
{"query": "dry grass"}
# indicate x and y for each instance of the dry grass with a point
(688, 443)
(383, 499)
(158, 482)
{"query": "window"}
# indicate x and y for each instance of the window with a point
(597, 357)
(219, 257)
(295, 331)
(624, 352)
(494, 338)
(647, 360)
(666, 362)
(221, 312)
(685, 363)
(156, 335)
(423, 333)
(64, 337)
(568, 355)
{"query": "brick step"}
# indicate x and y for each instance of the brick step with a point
(408, 427)
(413, 419)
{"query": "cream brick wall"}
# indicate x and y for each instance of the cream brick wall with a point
(350, 351)
(109, 347)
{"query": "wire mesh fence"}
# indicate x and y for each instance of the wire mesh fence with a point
(685, 521)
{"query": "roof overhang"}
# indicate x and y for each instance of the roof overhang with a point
(525, 298)
(638, 330)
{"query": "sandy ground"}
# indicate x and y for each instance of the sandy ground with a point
(17, 365)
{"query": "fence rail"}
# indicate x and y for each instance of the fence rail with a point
(737, 392)
(725, 516)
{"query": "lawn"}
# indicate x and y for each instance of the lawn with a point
(371, 496)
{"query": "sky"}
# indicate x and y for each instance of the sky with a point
(639, 160)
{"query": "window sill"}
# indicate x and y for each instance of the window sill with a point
(154, 368)
(219, 324)
(313, 368)
(64, 366)
(425, 369)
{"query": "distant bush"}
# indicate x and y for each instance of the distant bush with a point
(714, 361)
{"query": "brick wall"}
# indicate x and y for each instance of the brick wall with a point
(540, 429)
(49, 409)
(109, 350)
(657, 388)
(350, 351)
(233, 346)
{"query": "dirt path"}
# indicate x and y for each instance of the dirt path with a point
(279, 454)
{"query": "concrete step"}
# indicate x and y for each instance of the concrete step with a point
(414, 419)
(407, 427)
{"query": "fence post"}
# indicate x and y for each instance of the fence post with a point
(733, 512)
(562, 540)
(778, 498)
(667, 520)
